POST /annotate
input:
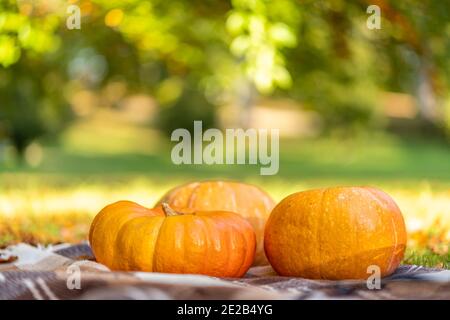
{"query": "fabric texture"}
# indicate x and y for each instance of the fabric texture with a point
(70, 272)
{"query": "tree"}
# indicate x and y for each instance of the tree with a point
(30, 103)
(211, 52)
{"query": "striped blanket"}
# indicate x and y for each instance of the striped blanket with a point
(70, 272)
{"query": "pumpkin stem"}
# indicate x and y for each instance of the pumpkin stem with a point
(168, 211)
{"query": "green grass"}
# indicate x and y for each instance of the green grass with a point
(371, 159)
(425, 257)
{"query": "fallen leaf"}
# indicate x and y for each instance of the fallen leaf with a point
(85, 257)
(8, 259)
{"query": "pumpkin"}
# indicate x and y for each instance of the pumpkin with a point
(335, 233)
(249, 201)
(127, 236)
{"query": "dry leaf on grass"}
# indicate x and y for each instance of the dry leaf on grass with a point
(8, 259)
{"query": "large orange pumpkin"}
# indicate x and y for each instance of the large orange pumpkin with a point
(249, 201)
(335, 233)
(127, 236)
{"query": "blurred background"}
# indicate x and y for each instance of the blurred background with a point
(86, 114)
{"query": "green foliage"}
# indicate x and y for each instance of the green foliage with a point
(191, 105)
(21, 33)
(30, 106)
(261, 30)
(318, 52)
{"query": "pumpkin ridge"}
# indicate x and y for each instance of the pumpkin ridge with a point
(98, 216)
(157, 245)
(233, 196)
(357, 235)
(210, 222)
(154, 246)
(207, 236)
(191, 198)
(236, 230)
(232, 231)
(130, 261)
(206, 248)
(185, 228)
(394, 250)
(228, 241)
(321, 219)
(106, 213)
(117, 242)
(243, 266)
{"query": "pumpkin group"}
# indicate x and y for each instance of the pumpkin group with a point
(127, 236)
(335, 233)
(247, 200)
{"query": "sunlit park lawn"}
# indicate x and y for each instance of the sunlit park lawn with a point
(55, 200)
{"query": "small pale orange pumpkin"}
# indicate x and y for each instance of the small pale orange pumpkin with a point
(127, 236)
(335, 233)
(247, 200)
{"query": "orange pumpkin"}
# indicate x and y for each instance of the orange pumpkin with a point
(249, 201)
(335, 233)
(127, 236)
